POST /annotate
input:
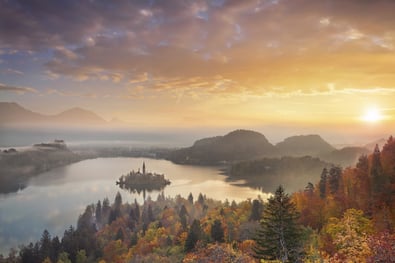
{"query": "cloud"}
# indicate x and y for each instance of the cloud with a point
(209, 47)
(15, 89)
(89, 95)
(12, 71)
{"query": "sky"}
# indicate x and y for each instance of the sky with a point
(327, 64)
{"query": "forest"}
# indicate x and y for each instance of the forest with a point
(347, 216)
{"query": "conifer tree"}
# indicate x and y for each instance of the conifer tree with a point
(98, 212)
(201, 199)
(194, 235)
(118, 201)
(120, 235)
(334, 178)
(279, 235)
(322, 183)
(256, 210)
(376, 172)
(190, 198)
(106, 209)
(45, 245)
(183, 216)
(217, 232)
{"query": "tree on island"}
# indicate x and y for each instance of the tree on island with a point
(142, 182)
(279, 235)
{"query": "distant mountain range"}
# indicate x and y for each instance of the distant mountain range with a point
(13, 113)
(237, 145)
(248, 145)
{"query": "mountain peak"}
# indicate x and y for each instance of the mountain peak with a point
(75, 110)
(12, 113)
(79, 115)
(10, 105)
(241, 132)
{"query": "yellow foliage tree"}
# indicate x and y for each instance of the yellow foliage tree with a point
(350, 235)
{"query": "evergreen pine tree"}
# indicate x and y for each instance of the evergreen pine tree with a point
(133, 239)
(106, 209)
(56, 248)
(190, 198)
(183, 216)
(256, 210)
(217, 232)
(119, 235)
(322, 183)
(201, 199)
(194, 235)
(45, 245)
(279, 235)
(334, 179)
(117, 205)
(376, 172)
(98, 212)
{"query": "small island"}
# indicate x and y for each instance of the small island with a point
(142, 181)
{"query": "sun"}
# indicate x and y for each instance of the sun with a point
(372, 115)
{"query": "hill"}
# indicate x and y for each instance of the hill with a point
(78, 115)
(302, 145)
(14, 114)
(236, 145)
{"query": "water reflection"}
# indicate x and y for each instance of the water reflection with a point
(54, 199)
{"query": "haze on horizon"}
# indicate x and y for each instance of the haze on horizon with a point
(315, 65)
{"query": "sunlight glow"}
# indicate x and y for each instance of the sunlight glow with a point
(372, 115)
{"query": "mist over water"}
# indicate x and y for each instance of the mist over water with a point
(16, 137)
(167, 138)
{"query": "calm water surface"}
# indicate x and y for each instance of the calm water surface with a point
(53, 200)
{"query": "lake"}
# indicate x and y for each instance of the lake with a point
(54, 200)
